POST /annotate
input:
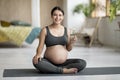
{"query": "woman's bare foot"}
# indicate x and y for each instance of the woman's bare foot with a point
(71, 70)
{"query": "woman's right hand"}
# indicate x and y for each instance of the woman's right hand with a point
(36, 59)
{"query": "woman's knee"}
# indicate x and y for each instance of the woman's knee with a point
(81, 61)
(82, 64)
(47, 67)
(40, 65)
(37, 66)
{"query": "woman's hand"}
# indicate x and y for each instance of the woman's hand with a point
(36, 59)
(73, 39)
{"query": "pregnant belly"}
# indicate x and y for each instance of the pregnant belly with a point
(56, 54)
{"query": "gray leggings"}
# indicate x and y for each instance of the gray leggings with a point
(45, 66)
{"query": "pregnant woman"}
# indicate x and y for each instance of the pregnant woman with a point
(58, 42)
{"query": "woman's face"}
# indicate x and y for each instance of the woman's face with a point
(57, 17)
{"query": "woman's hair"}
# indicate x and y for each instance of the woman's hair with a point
(57, 8)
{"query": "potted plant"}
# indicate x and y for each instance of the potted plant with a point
(85, 8)
(114, 7)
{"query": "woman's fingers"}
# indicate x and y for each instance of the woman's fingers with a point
(35, 60)
(73, 39)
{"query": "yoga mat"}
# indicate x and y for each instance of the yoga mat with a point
(86, 71)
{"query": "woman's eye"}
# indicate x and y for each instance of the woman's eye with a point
(54, 14)
(60, 15)
(57, 15)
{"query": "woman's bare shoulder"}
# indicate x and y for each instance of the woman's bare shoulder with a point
(43, 30)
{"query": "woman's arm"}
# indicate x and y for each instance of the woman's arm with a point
(40, 46)
(71, 40)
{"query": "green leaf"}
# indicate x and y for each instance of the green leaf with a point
(86, 9)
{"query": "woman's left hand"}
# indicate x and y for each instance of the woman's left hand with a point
(73, 39)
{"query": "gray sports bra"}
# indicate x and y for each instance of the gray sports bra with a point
(51, 40)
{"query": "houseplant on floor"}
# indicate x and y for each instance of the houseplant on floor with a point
(114, 7)
(87, 10)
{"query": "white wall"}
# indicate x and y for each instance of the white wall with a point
(107, 32)
(73, 21)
